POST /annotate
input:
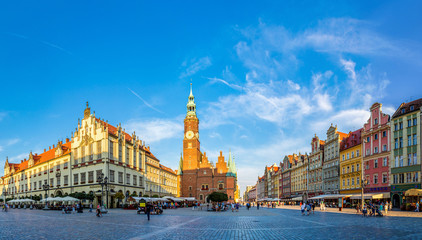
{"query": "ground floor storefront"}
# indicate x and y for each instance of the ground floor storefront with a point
(398, 198)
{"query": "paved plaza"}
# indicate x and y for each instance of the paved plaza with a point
(187, 224)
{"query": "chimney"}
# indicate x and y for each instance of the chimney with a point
(49, 147)
(44, 149)
(67, 140)
(53, 146)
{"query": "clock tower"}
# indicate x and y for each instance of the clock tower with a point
(191, 145)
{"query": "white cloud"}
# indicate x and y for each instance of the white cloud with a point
(8, 143)
(218, 80)
(19, 157)
(388, 110)
(196, 66)
(293, 85)
(346, 120)
(324, 102)
(145, 102)
(156, 130)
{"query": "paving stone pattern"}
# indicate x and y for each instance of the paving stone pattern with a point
(187, 224)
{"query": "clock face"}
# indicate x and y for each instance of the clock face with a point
(189, 135)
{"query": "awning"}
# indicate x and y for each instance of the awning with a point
(297, 199)
(413, 192)
(371, 196)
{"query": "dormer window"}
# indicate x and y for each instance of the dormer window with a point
(403, 110)
(412, 108)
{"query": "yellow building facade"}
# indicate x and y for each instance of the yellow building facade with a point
(351, 163)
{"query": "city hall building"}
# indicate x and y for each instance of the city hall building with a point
(198, 177)
(96, 149)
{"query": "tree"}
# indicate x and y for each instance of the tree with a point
(155, 196)
(218, 197)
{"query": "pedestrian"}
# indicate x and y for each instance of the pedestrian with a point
(386, 207)
(148, 210)
(364, 210)
(73, 209)
(313, 208)
(99, 214)
(237, 207)
(90, 207)
(302, 208)
(257, 206)
(232, 206)
(417, 207)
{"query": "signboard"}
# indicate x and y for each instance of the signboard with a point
(142, 203)
(340, 202)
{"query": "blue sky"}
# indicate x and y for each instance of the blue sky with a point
(266, 76)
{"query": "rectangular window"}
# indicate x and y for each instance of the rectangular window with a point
(384, 178)
(348, 182)
(357, 167)
(408, 177)
(400, 142)
(375, 179)
(409, 159)
(376, 121)
(400, 125)
(353, 168)
(120, 177)
(395, 179)
(384, 147)
(111, 176)
(353, 181)
(99, 173)
(35, 185)
(396, 162)
(395, 127)
(134, 180)
(66, 180)
(83, 178)
(396, 143)
(357, 153)
(91, 176)
(368, 139)
(368, 151)
(75, 178)
(39, 184)
(111, 149)
(409, 140)
(415, 140)
(353, 154)
(58, 181)
(415, 177)
(415, 122)
(343, 157)
(401, 178)
(384, 162)
(99, 150)
(376, 163)
(415, 160)
(409, 123)
(140, 181)
(401, 161)
(347, 155)
(376, 150)
(375, 136)
(384, 133)
(128, 179)
(65, 165)
(120, 153)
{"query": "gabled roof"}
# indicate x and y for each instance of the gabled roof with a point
(406, 108)
(167, 169)
(353, 139)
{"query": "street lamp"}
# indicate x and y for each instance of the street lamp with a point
(58, 175)
(46, 187)
(363, 184)
(150, 193)
(103, 181)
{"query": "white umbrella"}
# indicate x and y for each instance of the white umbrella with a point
(71, 199)
(58, 199)
(49, 199)
(27, 200)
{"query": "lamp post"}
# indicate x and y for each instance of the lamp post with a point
(46, 187)
(58, 175)
(150, 193)
(103, 181)
(363, 184)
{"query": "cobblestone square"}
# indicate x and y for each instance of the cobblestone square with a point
(187, 224)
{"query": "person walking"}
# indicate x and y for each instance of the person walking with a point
(148, 210)
(313, 208)
(417, 207)
(257, 206)
(99, 214)
(302, 208)
(386, 207)
(364, 210)
(90, 207)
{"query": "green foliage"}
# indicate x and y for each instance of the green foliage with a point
(133, 195)
(146, 195)
(218, 197)
(36, 198)
(155, 196)
(119, 196)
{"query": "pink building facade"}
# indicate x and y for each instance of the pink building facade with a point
(376, 151)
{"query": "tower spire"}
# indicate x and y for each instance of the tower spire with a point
(191, 106)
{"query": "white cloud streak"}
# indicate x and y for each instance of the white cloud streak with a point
(145, 102)
(156, 130)
(196, 66)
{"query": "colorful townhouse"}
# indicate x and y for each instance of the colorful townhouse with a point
(316, 161)
(351, 163)
(331, 160)
(299, 176)
(405, 154)
(286, 176)
(376, 149)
